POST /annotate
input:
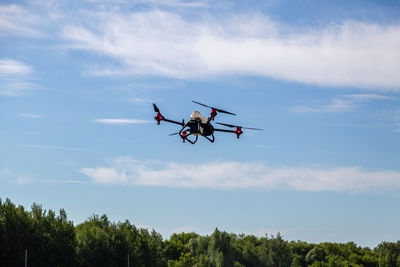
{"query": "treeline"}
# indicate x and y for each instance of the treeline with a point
(52, 240)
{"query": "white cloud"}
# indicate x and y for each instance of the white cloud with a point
(398, 129)
(52, 147)
(336, 105)
(166, 44)
(345, 103)
(13, 67)
(23, 180)
(163, 43)
(5, 173)
(16, 20)
(240, 175)
(19, 179)
(121, 121)
(139, 100)
(368, 97)
(64, 182)
(15, 78)
(30, 115)
(168, 3)
(12, 87)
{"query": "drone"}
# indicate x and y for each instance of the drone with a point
(198, 125)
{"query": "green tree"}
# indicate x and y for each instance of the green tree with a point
(275, 251)
(220, 249)
(16, 228)
(317, 254)
(94, 239)
(49, 239)
(178, 244)
(298, 251)
(388, 253)
(246, 248)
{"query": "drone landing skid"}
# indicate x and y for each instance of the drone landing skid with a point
(195, 140)
(197, 137)
(209, 139)
(190, 141)
(185, 137)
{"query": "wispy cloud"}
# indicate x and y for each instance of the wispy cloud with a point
(17, 178)
(23, 180)
(121, 121)
(15, 78)
(12, 87)
(10, 66)
(207, 46)
(144, 101)
(368, 97)
(244, 44)
(336, 105)
(52, 147)
(240, 175)
(344, 103)
(64, 182)
(16, 20)
(398, 129)
(157, 3)
(30, 115)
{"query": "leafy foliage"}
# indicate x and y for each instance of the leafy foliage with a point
(52, 240)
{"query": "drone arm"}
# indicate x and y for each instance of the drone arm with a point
(223, 130)
(238, 131)
(171, 121)
(160, 117)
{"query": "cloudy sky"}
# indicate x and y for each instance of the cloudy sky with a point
(77, 80)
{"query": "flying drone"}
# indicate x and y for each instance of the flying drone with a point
(198, 125)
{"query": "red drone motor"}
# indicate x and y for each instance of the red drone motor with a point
(238, 131)
(158, 117)
(213, 113)
(183, 136)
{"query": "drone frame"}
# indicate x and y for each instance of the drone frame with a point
(183, 133)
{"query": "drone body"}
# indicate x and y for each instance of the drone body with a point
(198, 125)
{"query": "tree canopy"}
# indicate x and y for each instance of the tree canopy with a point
(52, 240)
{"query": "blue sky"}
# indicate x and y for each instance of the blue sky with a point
(77, 80)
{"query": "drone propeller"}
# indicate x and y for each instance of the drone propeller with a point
(158, 117)
(214, 110)
(183, 135)
(156, 108)
(238, 130)
(233, 126)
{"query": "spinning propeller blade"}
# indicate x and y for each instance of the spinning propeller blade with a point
(229, 125)
(201, 104)
(217, 109)
(257, 129)
(227, 112)
(173, 134)
(156, 108)
(233, 126)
